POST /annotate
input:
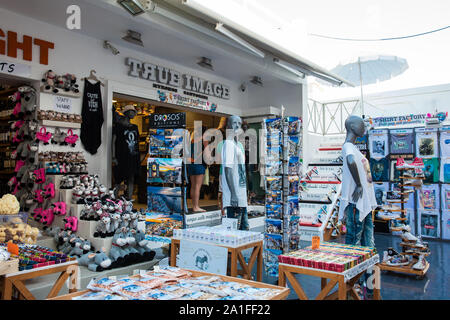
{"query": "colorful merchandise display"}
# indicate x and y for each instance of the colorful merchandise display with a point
(283, 162)
(170, 283)
(329, 256)
(33, 256)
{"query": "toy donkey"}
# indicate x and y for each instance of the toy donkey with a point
(77, 249)
(28, 100)
(104, 226)
(95, 261)
(146, 254)
(117, 252)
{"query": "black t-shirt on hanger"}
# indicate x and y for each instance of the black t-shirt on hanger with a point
(126, 151)
(92, 116)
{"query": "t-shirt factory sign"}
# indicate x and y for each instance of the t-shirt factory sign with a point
(176, 88)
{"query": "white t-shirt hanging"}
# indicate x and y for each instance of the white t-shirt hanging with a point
(233, 157)
(426, 143)
(445, 143)
(378, 143)
(367, 202)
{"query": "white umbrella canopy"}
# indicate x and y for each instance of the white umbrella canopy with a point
(371, 69)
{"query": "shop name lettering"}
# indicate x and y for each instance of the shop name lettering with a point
(412, 118)
(10, 45)
(173, 78)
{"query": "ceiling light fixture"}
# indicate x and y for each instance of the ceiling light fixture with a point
(133, 37)
(108, 45)
(242, 42)
(289, 68)
(257, 81)
(205, 63)
(134, 7)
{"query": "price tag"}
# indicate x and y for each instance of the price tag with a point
(315, 242)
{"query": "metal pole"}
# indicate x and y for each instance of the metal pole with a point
(361, 86)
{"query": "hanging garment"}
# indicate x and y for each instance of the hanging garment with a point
(431, 170)
(429, 197)
(426, 144)
(445, 170)
(92, 116)
(379, 169)
(127, 151)
(378, 144)
(402, 141)
(445, 143)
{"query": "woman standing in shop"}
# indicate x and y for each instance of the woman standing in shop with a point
(196, 170)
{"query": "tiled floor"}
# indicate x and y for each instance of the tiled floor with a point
(395, 286)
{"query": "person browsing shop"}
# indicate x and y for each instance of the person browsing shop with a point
(196, 169)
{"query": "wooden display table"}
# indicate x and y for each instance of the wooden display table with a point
(68, 270)
(281, 296)
(235, 256)
(345, 280)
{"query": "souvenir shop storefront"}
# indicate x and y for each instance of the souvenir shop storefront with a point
(90, 183)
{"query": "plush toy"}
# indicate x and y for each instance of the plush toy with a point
(70, 83)
(104, 226)
(9, 204)
(59, 137)
(125, 220)
(115, 223)
(77, 249)
(71, 223)
(117, 253)
(59, 82)
(28, 99)
(49, 81)
(97, 261)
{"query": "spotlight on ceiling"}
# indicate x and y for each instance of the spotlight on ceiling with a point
(134, 7)
(205, 63)
(257, 81)
(133, 37)
(108, 45)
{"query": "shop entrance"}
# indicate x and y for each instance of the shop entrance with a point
(209, 190)
(8, 87)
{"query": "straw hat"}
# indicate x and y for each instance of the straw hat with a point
(128, 108)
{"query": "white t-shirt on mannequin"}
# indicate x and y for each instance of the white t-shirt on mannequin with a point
(233, 157)
(367, 202)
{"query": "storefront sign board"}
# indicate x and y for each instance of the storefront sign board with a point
(203, 257)
(16, 69)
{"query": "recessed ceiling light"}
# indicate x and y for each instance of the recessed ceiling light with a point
(133, 37)
(205, 63)
(134, 7)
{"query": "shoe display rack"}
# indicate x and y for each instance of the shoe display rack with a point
(282, 170)
(321, 188)
(412, 258)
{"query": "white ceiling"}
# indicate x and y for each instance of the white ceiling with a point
(107, 21)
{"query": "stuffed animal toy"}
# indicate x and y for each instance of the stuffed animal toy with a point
(17, 98)
(87, 246)
(125, 220)
(59, 82)
(104, 226)
(95, 261)
(49, 81)
(28, 99)
(134, 218)
(59, 137)
(133, 254)
(9, 204)
(66, 245)
(117, 252)
(43, 135)
(60, 208)
(77, 249)
(71, 223)
(115, 223)
(46, 217)
(70, 83)
(142, 246)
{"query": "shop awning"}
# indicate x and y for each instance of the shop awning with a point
(278, 54)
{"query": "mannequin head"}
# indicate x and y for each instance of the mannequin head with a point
(129, 111)
(355, 125)
(234, 123)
